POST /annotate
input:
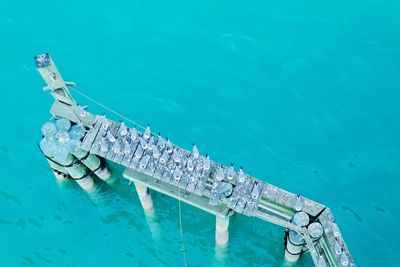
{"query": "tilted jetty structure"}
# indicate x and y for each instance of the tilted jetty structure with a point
(79, 145)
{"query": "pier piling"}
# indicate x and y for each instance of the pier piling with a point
(144, 196)
(69, 167)
(80, 143)
(78, 172)
(58, 171)
(294, 240)
(94, 163)
(221, 230)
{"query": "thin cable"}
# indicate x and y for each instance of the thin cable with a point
(107, 108)
(76, 117)
(62, 105)
(183, 249)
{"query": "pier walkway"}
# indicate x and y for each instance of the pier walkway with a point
(154, 163)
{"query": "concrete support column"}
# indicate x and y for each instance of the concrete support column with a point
(294, 246)
(294, 240)
(315, 230)
(60, 176)
(144, 196)
(103, 172)
(222, 230)
(86, 183)
(94, 163)
(70, 168)
(79, 173)
(58, 171)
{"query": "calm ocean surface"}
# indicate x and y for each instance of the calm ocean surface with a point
(303, 94)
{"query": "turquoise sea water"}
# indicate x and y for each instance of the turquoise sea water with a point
(303, 94)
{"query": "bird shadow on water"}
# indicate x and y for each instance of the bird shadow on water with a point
(353, 212)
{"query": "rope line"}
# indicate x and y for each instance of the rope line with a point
(183, 249)
(76, 117)
(62, 105)
(107, 108)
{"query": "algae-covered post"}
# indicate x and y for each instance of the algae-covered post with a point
(154, 163)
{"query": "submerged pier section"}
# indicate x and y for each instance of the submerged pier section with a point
(155, 163)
